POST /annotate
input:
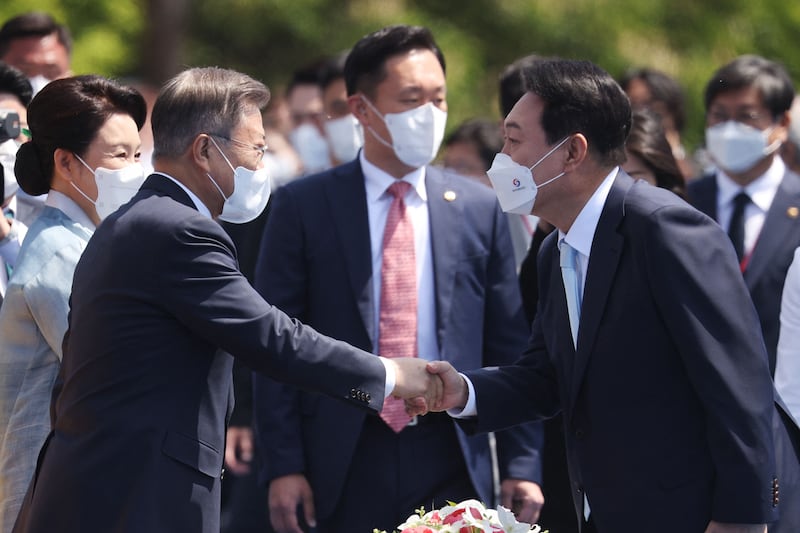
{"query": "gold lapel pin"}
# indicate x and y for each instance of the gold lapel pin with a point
(793, 212)
(451, 195)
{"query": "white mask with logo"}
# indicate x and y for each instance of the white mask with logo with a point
(513, 183)
(311, 146)
(114, 187)
(416, 134)
(737, 147)
(345, 136)
(251, 191)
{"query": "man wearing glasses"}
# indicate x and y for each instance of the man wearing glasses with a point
(751, 193)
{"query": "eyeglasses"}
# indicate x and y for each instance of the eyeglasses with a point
(262, 150)
(749, 117)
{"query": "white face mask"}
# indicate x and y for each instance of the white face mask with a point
(416, 134)
(311, 146)
(8, 156)
(114, 187)
(738, 147)
(38, 82)
(513, 183)
(345, 136)
(250, 195)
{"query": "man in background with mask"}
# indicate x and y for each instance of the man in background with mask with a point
(342, 130)
(141, 400)
(40, 47)
(306, 112)
(15, 95)
(751, 193)
(396, 257)
(645, 338)
(790, 151)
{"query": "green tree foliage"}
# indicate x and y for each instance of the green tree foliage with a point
(269, 38)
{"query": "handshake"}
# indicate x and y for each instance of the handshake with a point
(428, 385)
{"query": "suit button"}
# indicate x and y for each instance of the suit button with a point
(222, 474)
(353, 393)
(579, 490)
(579, 434)
(367, 397)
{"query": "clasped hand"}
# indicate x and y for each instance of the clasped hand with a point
(428, 386)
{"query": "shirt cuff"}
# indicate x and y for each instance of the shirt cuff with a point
(391, 377)
(471, 407)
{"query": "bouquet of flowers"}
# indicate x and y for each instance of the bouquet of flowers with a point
(469, 516)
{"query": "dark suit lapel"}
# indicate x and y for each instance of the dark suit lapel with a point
(779, 225)
(348, 208)
(165, 186)
(445, 212)
(603, 261)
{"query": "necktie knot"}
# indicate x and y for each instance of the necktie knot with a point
(567, 254)
(741, 200)
(398, 189)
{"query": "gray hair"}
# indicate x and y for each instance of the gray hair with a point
(202, 100)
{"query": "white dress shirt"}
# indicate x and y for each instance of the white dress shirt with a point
(761, 191)
(787, 366)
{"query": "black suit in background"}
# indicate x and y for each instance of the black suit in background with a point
(773, 253)
(143, 395)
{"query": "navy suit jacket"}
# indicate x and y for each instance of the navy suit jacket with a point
(315, 264)
(140, 405)
(668, 404)
(773, 253)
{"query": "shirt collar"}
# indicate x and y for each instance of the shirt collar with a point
(377, 181)
(201, 207)
(761, 190)
(67, 205)
(581, 234)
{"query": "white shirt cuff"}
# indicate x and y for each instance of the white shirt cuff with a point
(391, 377)
(471, 407)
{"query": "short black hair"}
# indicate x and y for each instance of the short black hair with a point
(365, 65)
(33, 24)
(310, 74)
(512, 82)
(768, 77)
(663, 88)
(484, 134)
(580, 97)
(13, 81)
(333, 69)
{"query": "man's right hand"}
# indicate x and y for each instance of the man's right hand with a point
(285, 495)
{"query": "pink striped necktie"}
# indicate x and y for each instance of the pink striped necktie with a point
(397, 335)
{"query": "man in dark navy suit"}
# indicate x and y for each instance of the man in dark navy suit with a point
(752, 193)
(140, 404)
(645, 337)
(324, 260)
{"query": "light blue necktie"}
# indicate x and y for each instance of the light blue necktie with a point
(572, 287)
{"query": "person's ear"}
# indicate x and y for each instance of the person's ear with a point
(200, 151)
(358, 108)
(577, 150)
(66, 164)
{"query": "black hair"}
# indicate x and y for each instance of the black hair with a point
(484, 134)
(648, 142)
(33, 24)
(663, 89)
(67, 113)
(310, 74)
(768, 77)
(365, 65)
(13, 81)
(333, 69)
(580, 97)
(512, 82)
